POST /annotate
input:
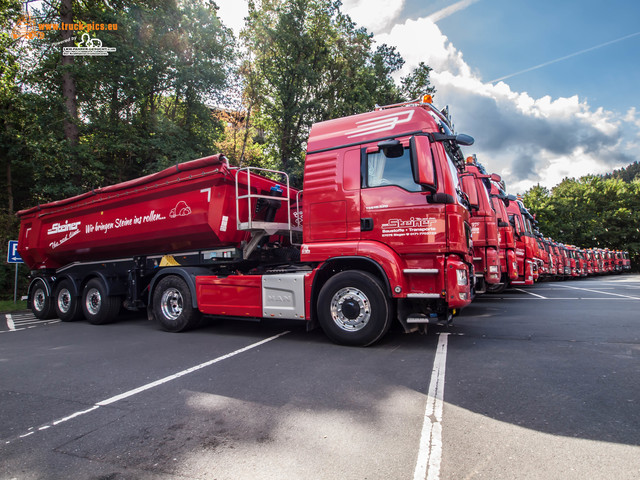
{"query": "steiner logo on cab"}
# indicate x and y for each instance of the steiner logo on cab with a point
(63, 227)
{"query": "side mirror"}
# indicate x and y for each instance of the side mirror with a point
(496, 178)
(465, 140)
(422, 163)
(469, 187)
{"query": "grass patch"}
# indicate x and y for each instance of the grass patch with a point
(9, 306)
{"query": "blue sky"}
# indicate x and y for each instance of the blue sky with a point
(500, 37)
(575, 116)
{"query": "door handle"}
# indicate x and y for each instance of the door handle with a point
(366, 224)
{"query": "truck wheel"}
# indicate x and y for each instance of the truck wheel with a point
(353, 308)
(497, 287)
(172, 305)
(99, 308)
(66, 305)
(40, 303)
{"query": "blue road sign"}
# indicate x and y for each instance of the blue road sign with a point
(12, 252)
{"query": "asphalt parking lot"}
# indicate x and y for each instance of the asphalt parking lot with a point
(535, 383)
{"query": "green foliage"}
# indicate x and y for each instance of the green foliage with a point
(418, 82)
(7, 306)
(626, 174)
(590, 212)
(9, 226)
(142, 108)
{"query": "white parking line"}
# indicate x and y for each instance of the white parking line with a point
(599, 291)
(550, 298)
(430, 452)
(148, 386)
(22, 321)
(530, 293)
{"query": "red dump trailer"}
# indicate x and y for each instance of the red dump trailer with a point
(386, 235)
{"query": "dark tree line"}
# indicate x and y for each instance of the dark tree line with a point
(592, 211)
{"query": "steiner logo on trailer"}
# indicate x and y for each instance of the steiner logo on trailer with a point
(63, 227)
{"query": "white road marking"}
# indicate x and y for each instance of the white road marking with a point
(30, 322)
(489, 298)
(430, 452)
(22, 321)
(148, 386)
(530, 293)
(599, 291)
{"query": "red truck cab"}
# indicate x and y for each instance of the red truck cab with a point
(525, 243)
(382, 198)
(484, 225)
(508, 262)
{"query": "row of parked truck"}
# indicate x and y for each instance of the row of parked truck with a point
(393, 223)
(525, 255)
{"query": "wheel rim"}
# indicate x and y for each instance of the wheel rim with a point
(64, 300)
(171, 303)
(39, 299)
(93, 301)
(350, 309)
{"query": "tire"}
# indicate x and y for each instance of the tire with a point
(353, 309)
(97, 307)
(66, 305)
(172, 305)
(497, 287)
(40, 301)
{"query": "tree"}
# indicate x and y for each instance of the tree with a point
(145, 106)
(308, 62)
(591, 211)
(418, 82)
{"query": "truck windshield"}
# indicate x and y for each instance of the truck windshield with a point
(383, 171)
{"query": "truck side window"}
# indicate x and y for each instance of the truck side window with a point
(515, 221)
(383, 171)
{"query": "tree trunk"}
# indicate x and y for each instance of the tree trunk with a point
(9, 187)
(71, 131)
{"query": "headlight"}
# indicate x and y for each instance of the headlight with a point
(462, 277)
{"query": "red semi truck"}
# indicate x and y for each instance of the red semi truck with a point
(526, 245)
(484, 225)
(386, 234)
(508, 262)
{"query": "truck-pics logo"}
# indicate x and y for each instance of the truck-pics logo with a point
(381, 124)
(63, 227)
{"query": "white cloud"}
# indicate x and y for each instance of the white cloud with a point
(632, 118)
(376, 15)
(527, 140)
(450, 10)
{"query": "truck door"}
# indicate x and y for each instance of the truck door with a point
(394, 208)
